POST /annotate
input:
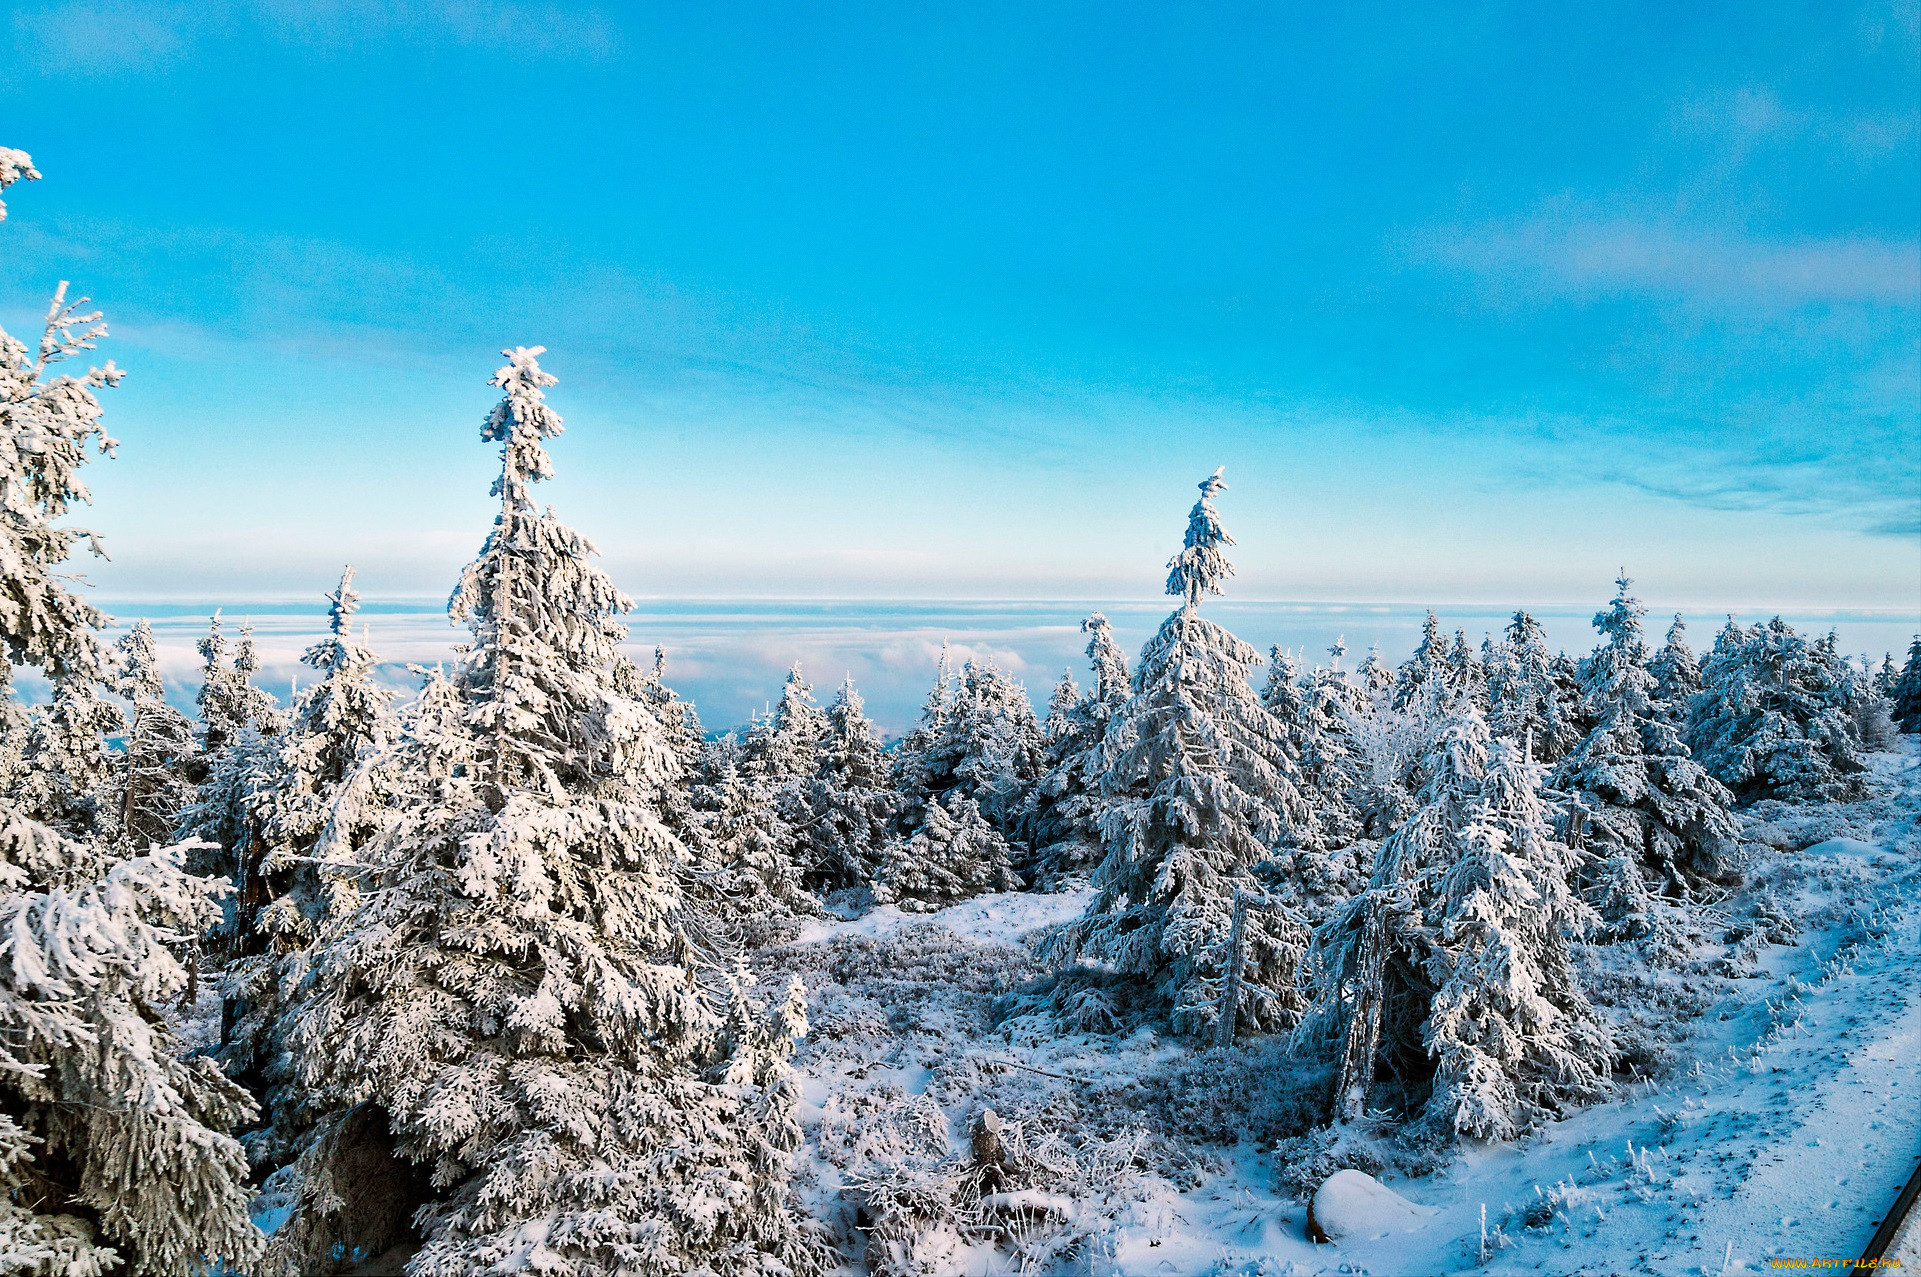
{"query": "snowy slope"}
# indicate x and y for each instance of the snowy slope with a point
(1783, 1123)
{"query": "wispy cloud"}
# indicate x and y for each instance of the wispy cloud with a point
(1748, 120)
(111, 37)
(1573, 254)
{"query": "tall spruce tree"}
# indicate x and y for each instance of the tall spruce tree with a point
(1197, 793)
(507, 997)
(113, 1151)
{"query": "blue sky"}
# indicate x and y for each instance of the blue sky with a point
(1474, 306)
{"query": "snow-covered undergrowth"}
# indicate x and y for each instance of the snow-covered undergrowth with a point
(1777, 1111)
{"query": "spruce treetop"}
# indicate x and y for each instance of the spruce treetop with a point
(1109, 662)
(518, 423)
(15, 166)
(49, 426)
(1201, 567)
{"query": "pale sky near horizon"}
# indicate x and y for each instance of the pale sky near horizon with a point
(1475, 306)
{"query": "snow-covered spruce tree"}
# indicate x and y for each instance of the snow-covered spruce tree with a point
(1525, 702)
(113, 1156)
(1388, 746)
(238, 759)
(776, 763)
(1869, 706)
(740, 874)
(954, 856)
(1677, 676)
(1375, 680)
(1641, 804)
(1378, 960)
(1427, 665)
(1774, 717)
(1285, 694)
(781, 747)
(1063, 818)
(337, 721)
(679, 720)
(341, 717)
(1514, 1039)
(742, 878)
(1906, 692)
(1197, 793)
(850, 797)
(1329, 770)
(1060, 708)
(506, 998)
(70, 772)
(229, 702)
(1108, 662)
(963, 782)
(1465, 677)
(983, 740)
(154, 787)
(1282, 692)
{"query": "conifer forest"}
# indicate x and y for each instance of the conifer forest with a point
(1214, 957)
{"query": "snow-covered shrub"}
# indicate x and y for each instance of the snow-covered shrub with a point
(1259, 1091)
(1086, 999)
(921, 1198)
(1303, 1162)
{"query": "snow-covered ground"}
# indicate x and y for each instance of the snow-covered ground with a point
(1780, 1122)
